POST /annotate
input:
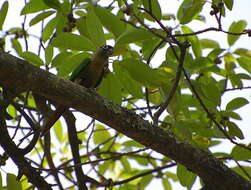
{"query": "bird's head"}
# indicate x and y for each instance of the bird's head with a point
(105, 51)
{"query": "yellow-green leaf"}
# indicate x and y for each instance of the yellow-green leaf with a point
(235, 27)
(73, 42)
(32, 58)
(101, 134)
(3, 13)
(95, 29)
(236, 103)
(155, 8)
(40, 17)
(34, 6)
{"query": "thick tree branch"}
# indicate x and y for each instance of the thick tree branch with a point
(16, 73)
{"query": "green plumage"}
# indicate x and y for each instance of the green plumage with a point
(88, 74)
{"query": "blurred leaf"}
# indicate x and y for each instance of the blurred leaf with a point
(234, 130)
(40, 17)
(16, 45)
(145, 181)
(95, 29)
(132, 86)
(189, 9)
(186, 177)
(3, 13)
(73, 42)
(32, 58)
(133, 35)
(236, 103)
(12, 182)
(236, 27)
(229, 4)
(166, 184)
(101, 134)
(243, 52)
(239, 153)
(34, 6)
(58, 130)
(48, 54)
(82, 27)
(110, 88)
(207, 43)
(52, 4)
(111, 22)
(49, 28)
(245, 63)
(155, 9)
(240, 171)
(194, 41)
(147, 76)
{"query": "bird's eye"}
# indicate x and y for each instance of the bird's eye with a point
(108, 50)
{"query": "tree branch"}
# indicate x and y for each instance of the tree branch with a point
(28, 77)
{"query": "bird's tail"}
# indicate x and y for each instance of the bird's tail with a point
(53, 118)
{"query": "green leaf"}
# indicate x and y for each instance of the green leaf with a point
(166, 184)
(189, 10)
(243, 52)
(155, 8)
(133, 35)
(48, 54)
(242, 173)
(73, 42)
(239, 153)
(186, 177)
(111, 22)
(40, 17)
(236, 103)
(229, 4)
(70, 63)
(234, 130)
(95, 29)
(82, 27)
(49, 28)
(53, 4)
(60, 58)
(145, 181)
(12, 182)
(236, 27)
(32, 58)
(34, 6)
(58, 130)
(16, 45)
(110, 88)
(206, 43)
(132, 86)
(194, 41)
(101, 134)
(3, 13)
(245, 63)
(147, 76)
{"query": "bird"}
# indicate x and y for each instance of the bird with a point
(89, 74)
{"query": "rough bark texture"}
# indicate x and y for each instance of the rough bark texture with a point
(15, 73)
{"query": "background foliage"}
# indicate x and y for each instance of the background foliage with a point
(182, 91)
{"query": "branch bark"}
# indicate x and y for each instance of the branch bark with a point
(16, 73)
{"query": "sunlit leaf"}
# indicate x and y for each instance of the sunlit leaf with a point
(41, 17)
(73, 42)
(95, 29)
(155, 9)
(12, 182)
(111, 22)
(3, 13)
(186, 177)
(189, 9)
(236, 103)
(101, 134)
(34, 6)
(236, 27)
(32, 58)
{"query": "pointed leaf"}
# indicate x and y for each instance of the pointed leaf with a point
(236, 103)
(133, 35)
(32, 58)
(229, 4)
(239, 153)
(154, 9)
(12, 182)
(245, 63)
(111, 22)
(236, 27)
(95, 29)
(73, 42)
(53, 4)
(189, 10)
(186, 177)
(34, 6)
(3, 13)
(40, 17)
(49, 28)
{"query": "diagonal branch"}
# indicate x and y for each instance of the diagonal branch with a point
(28, 77)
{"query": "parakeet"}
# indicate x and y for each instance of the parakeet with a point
(88, 74)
